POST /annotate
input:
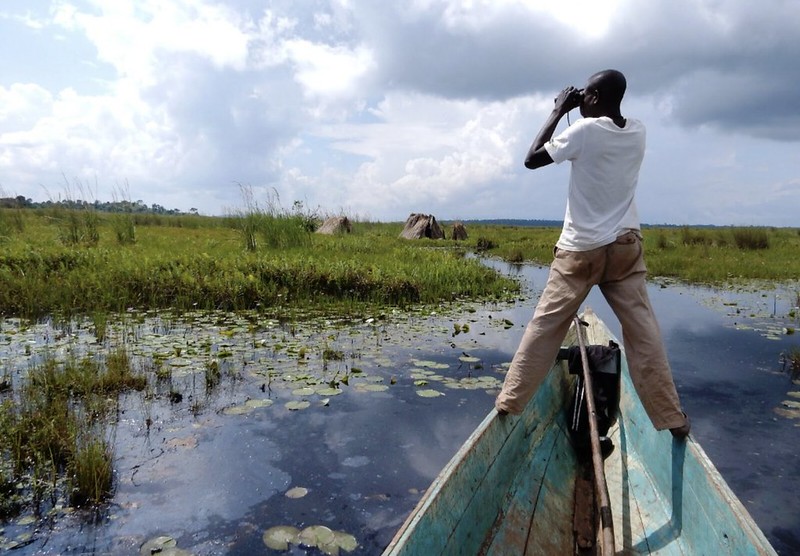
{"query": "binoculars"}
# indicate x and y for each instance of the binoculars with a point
(575, 98)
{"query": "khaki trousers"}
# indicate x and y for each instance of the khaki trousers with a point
(619, 270)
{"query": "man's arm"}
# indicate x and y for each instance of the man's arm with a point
(537, 154)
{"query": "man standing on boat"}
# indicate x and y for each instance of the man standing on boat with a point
(600, 244)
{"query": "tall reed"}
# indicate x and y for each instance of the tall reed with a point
(269, 224)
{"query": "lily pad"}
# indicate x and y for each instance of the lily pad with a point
(237, 410)
(346, 541)
(431, 364)
(373, 387)
(327, 391)
(156, 545)
(163, 546)
(429, 393)
(179, 362)
(329, 549)
(469, 359)
(303, 391)
(788, 413)
(296, 492)
(279, 538)
(296, 405)
(255, 404)
(316, 535)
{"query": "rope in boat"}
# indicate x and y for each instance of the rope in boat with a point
(601, 488)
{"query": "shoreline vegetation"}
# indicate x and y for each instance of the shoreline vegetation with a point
(63, 263)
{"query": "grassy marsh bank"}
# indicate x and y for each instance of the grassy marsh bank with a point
(692, 254)
(191, 262)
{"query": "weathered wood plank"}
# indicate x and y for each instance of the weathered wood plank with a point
(628, 525)
(510, 533)
(478, 515)
(455, 519)
(551, 528)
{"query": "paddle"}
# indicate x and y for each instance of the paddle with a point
(601, 488)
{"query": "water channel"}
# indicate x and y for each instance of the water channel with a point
(376, 408)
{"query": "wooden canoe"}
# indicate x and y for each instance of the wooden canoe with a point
(510, 489)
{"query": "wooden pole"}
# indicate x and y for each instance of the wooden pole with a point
(601, 488)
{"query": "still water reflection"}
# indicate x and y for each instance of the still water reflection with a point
(215, 481)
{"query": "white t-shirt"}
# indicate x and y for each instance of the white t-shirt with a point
(602, 184)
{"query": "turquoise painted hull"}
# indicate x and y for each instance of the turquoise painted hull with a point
(510, 489)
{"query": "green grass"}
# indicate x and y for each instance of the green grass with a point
(53, 433)
(697, 255)
(190, 262)
(271, 261)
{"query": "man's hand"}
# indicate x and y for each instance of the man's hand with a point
(568, 99)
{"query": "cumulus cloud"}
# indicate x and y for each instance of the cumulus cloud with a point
(387, 107)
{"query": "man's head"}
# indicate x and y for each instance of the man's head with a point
(603, 94)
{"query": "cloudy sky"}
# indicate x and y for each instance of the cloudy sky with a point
(376, 109)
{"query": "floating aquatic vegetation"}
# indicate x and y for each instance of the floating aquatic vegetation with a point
(371, 387)
(247, 407)
(428, 393)
(788, 413)
(22, 539)
(327, 391)
(280, 537)
(296, 492)
(163, 546)
(303, 391)
(183, 353)
(430, 364)
(315, 536)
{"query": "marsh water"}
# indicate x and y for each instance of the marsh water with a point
(362, 415)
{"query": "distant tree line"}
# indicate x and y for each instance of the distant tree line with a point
(105, 206)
